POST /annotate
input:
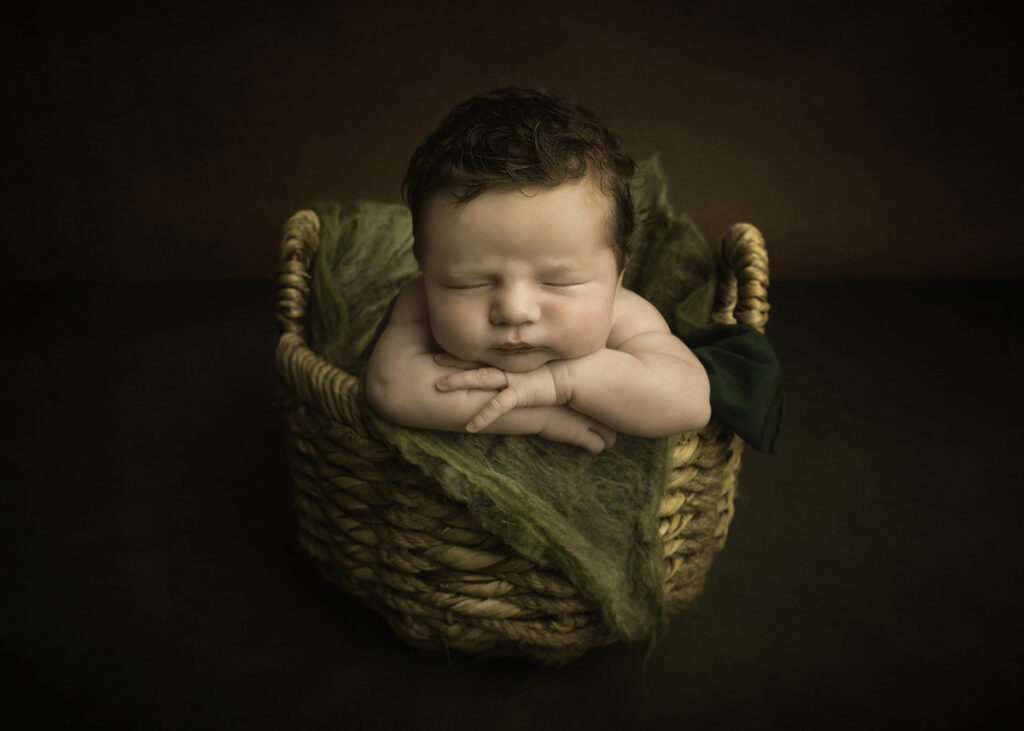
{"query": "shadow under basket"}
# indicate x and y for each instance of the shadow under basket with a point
(389, 535)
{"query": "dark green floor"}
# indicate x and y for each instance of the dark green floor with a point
(151, 579)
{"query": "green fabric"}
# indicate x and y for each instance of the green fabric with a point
(671, 265)
(364, 258)
(746, 381)
(594, 518)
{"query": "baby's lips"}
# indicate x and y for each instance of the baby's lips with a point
(516, 347)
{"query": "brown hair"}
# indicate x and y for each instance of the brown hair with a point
(521, 137)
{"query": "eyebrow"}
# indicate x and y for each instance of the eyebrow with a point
(563, 269)
(463, 272)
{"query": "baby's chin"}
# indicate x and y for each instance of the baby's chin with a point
(520, 363)
(524, 362)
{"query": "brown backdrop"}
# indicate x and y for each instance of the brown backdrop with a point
(159, 141)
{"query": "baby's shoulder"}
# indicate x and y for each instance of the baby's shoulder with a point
(411, 302)
(633, 315)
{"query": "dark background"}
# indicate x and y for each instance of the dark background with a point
(168, 140)
(151, 578)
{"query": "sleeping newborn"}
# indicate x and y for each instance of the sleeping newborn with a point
(518, 323)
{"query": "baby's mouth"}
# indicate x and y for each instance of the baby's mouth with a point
(516, 348)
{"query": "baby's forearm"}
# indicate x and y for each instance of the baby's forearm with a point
(410, 398)
(404, 392)
(647, 393)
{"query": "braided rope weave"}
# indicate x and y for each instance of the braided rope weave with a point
(389, 535)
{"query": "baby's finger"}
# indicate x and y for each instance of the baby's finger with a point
(606, 433)
(592, 442)
(479, 379)
(447, 359)
(495, 409)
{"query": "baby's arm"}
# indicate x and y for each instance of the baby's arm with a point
(402, 373)
(645, 383)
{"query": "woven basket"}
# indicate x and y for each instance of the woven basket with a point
(386, 533)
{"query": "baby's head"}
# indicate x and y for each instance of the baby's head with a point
(522, 139)
(522, 219)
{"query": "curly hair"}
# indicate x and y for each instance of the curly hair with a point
(521, 137)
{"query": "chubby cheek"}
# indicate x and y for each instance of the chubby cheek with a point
(584, 328)
(456, 328)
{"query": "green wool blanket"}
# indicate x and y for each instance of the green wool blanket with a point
(592, 517)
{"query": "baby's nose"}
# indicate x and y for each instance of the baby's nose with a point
(514, 305)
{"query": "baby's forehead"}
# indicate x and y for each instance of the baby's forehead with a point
(525, 220)
(581, 202)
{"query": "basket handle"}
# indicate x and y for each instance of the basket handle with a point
(742, 294)
(298, 247)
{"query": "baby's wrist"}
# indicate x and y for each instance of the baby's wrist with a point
(562, 378)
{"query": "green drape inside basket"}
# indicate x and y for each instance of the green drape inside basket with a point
(594, 518)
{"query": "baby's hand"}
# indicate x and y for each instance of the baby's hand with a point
(447, 359)
(563, 424)
(539, 387)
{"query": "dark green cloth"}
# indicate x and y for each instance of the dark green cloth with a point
(746, 381)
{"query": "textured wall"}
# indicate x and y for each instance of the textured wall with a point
(159, 141)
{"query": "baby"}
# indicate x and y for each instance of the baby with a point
(519, 324)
